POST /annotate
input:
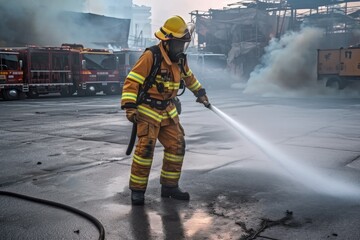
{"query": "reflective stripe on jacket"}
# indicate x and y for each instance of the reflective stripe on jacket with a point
(169, 76)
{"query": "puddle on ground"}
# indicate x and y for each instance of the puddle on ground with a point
(199, 222)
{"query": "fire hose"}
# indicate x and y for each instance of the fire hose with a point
(132, 139)
(92, 219)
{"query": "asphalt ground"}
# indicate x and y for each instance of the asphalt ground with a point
(72, 151)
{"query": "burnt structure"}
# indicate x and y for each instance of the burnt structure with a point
(242, 30)
(89, 29)
(98, 30)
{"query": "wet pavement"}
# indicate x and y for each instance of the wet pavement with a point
(72, 151)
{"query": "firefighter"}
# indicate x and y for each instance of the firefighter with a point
(156, 115)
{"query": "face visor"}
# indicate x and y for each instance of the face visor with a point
(178, 46)
(176, 49)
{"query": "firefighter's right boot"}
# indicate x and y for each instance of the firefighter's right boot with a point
(174, 192)
(137, 197)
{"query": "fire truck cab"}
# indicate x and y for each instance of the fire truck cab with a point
(11, 75)
(95, 70)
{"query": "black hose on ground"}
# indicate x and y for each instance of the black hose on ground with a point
(92, 219)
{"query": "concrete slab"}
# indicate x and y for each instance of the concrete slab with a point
(81, 142)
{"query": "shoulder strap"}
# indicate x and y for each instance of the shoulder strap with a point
(150, 79)
(156, 62)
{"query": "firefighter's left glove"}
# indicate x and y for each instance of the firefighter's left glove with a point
(132, 114)
(202, 97)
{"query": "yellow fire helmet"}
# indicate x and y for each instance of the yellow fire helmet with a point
(174, 28)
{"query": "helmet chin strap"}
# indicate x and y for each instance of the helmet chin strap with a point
(181, 61)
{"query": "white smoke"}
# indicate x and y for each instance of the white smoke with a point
(110, 8)
(288, 67)
(22, 19)
(51, 23)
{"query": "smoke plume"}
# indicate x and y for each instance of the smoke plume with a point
(288, 66)
(50, 23)
(110, 8)
(22, 19)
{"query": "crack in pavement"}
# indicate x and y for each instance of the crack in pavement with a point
(36, 177)
(357, 157)
(59, 136)
(224, 165)
(267, 223)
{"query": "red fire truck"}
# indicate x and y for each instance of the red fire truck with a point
(94, 70)
(126, 60)
(47, 70)
(67, 69)
(11, 75)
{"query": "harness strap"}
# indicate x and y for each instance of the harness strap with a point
(156, 103)
(150, 79)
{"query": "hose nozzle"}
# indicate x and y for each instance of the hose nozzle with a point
(206, 104)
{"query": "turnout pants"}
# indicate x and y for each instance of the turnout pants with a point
(171, 136)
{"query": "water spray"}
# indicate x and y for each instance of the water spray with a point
(300, 172)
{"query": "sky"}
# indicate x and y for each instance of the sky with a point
(163, 9)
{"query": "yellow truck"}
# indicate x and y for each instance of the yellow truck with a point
(338, 66)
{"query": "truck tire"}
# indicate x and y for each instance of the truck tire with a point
(336, 83)
(90, 93)
(11, 94)
(91, 90)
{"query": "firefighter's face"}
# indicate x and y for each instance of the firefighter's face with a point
(176, 48)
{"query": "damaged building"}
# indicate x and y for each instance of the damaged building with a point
(89, 29)
(242, 30)
(43, 24)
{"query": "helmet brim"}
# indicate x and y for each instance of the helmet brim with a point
(161, 35)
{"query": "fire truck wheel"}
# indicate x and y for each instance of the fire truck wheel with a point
(32, 94)
(11, 94)
(336, 83)
(112, 90)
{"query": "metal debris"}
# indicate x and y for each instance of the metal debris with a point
(265, 223)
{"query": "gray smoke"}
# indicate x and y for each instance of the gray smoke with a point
(22, 19)
(111, 8)
(50, 23)
(288, 67)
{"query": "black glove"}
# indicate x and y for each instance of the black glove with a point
(202, 97)
(132, 114)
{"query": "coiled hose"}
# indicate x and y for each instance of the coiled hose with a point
(92, 219)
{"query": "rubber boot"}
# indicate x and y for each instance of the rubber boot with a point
(174, 192)
(137, 197)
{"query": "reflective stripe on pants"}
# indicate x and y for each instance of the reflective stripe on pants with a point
(172, 138)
